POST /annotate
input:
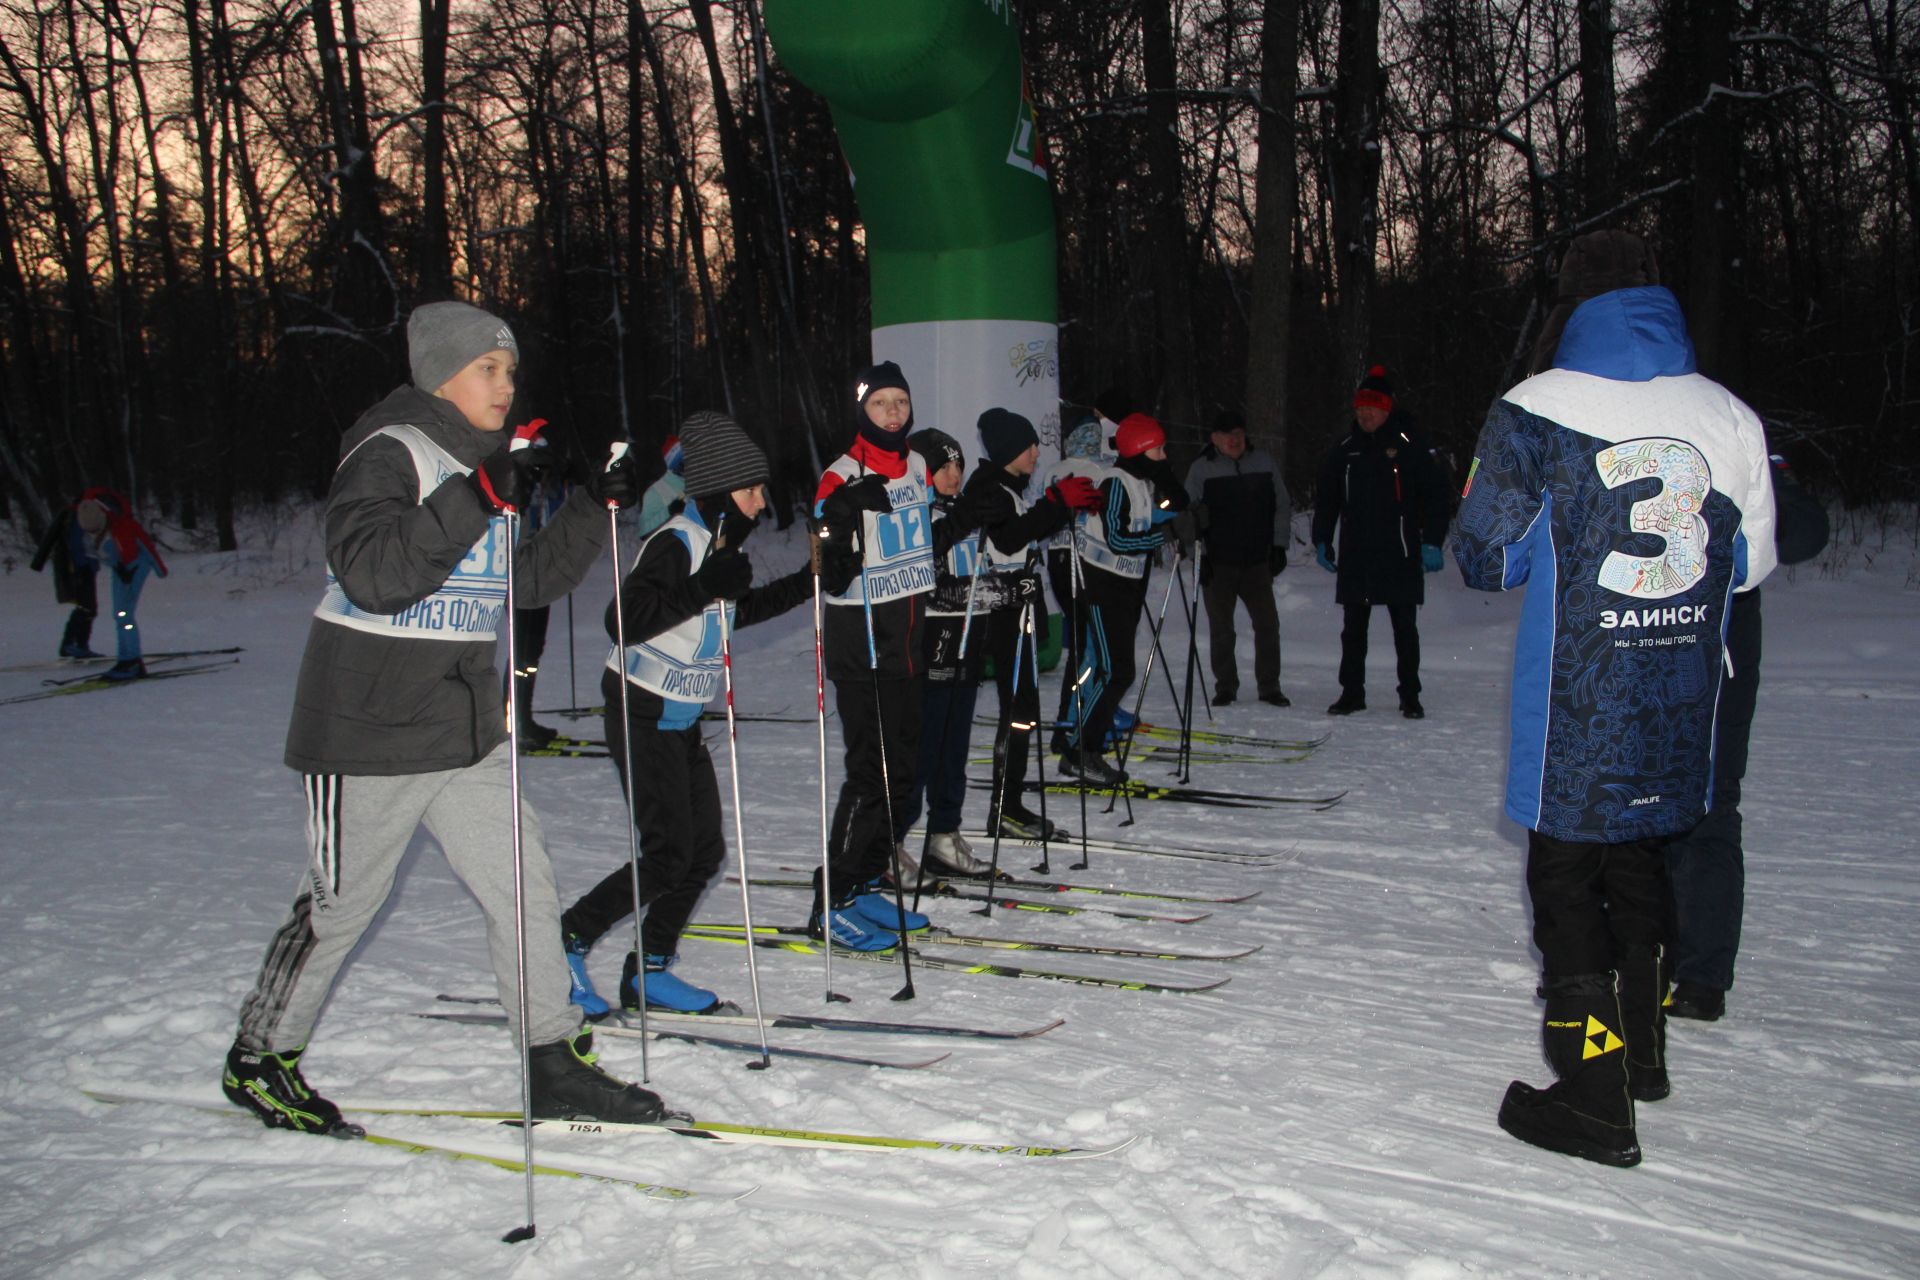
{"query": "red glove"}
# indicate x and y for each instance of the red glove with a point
(1075, 493)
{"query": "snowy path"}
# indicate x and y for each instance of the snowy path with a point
(1329, 1112)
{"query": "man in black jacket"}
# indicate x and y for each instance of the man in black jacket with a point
(1246, 521)
(1380, 487)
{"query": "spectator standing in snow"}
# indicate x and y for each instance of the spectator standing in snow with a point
(1634, 494)
(664, 496)
(1379, 487)
(1083, 453)
(69, 544)
(683, 575)
(1706, 867)
(398, 720)
(1245, 520)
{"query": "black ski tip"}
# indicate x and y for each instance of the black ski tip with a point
(520, 1234)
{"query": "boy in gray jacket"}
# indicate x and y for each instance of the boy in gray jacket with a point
(398, 719)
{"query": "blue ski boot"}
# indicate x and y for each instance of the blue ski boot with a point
(663, 991)
(592, 1006)
(873, 905)
(849, 929)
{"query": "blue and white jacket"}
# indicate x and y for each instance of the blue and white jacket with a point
(1632, 496)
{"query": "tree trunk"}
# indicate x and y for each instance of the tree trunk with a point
(1275, 189)
(1713, 291)
(1167, 221)
(436, 249)
(1599, 116)
(1355, 169)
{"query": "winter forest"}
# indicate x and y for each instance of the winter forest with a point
(216, 214)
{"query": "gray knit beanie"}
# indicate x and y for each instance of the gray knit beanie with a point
(720, 456)
(445, 337)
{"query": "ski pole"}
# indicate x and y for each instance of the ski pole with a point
(739, 827)
(523, 437)
(619, 451)
(973, 582)
(886, 788)
(573, 657)
(1076, 581)
(820, 706)
(1039, 757)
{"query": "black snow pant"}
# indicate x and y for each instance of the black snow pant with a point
(1593, 904)
(940, 775)
(1406, 648)
(880, 728)
(1707, 866)
(1019, 707)
(86, 607)
(677, 814)
(1251, 585)
(1108, 646)
(1060, 577)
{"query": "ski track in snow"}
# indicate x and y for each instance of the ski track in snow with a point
(1329, 1112)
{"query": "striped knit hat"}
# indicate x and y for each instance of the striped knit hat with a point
(720, 456)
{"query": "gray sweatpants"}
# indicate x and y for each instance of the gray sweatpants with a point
(358, 829)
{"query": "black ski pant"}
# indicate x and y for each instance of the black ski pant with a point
(1015, 668)
(86, 607)
(1108, 667)
(880, 729)
(1060, 577)
(529, 645)
(1251, 585)
(946, 731)
(1406, 648)
(1595, 905)
(1707, 865)
(677, 814)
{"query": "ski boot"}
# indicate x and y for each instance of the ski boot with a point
(592, 1005)
(1015, 823)
(126, 669)
(849, 929)
(663, 991)
(566, 1085)
(270, 1085)
(1092, 768)
(951, 855)
(872, 904)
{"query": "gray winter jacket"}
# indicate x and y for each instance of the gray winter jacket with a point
(368, 703)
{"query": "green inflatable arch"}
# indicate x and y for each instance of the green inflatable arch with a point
(950, 173)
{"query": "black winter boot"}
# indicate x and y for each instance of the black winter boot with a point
(1588, 1112)
(567, 1086)
(1643, 984)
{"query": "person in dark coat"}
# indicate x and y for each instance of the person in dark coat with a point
(1246, 521)
(1380, 487)
(1706, 867)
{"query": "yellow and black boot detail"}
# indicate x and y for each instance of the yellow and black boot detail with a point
(1588, 1111)
(270, 1085)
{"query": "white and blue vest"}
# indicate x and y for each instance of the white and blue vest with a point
(1092, 539)
(682, 665)
(468, 605)
(897, 545)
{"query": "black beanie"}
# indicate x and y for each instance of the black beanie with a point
(720, 457)
(937, 447)
(1005, 435)
(874, 377)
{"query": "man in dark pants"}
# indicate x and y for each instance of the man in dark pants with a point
(1246, 521)
(1706, 867)
(1380, 487)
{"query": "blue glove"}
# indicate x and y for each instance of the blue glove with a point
(1323, 552)
(1430, 558)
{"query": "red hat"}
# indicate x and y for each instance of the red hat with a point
(1138, 433)
(1375, 391)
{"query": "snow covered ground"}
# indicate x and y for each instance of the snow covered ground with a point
(1329, 1112)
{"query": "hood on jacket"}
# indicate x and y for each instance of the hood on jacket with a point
(407, 403)
(1085, 441)
(1628, 335)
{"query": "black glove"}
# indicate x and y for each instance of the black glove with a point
(507, 479)
(617, 485)
(868, 493)
(839, 566)
(1276, 561)
(1026, 588)
(726, 575)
